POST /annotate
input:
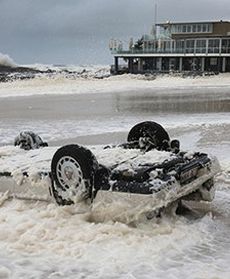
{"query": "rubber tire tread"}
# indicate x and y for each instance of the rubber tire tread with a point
(83, 156)
(150, 129)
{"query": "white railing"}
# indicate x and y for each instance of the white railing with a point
(205, 49)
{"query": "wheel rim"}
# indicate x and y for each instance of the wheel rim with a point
(69, 173)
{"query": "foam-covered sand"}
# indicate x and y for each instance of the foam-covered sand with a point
(65, 84)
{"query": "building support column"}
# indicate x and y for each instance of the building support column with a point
(207, 43)
(195, 43)
(202, 64)
(180, 64)
(140, 65)
(130, 65)
(116, 64)
(224, 65)
(160, 64)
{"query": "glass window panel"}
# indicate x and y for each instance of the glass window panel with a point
(204, 28)
(214, 42)
(200, 46)
(180, 46)
(213, 45)
(168, 45)
(190, 46)
(188, 28)
(199, 28)
(190, 43)
(225, 46)
(209, 28)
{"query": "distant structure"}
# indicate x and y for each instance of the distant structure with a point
(177, 47)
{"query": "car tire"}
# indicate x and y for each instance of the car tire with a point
(73, 169)
(28, 140)
(155, 132)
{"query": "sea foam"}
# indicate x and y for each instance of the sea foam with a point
(6, 60)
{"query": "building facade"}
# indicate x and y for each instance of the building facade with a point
(177, 47)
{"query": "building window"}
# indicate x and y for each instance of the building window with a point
(188, 28)
(225, 46)
(190, 46)
(201, 46)
(209, 28)
(213, 45)
(204, 28)
(167, 46)
(180, 46)
(198, 28)
(192, 28)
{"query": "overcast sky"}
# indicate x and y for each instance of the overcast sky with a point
(78, 31)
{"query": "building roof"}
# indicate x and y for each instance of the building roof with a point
(191, 22)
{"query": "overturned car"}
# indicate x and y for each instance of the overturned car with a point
(152, 170)
(149, 169)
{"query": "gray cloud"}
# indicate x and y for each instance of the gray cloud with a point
(78, 31)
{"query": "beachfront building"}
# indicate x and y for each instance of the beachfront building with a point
(184, 46)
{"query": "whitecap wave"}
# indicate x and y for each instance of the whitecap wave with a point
(6, 60)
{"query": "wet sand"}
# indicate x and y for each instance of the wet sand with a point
(107, 108)
(90, 106)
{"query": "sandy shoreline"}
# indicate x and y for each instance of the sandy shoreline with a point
(61, 85)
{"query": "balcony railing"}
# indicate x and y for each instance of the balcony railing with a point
(187, 46)
(174, 51)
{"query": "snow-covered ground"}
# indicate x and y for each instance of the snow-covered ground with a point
(40, 240)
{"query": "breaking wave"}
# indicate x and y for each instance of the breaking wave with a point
(6, 60)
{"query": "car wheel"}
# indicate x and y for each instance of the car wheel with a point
(73, 168)
(152, 134)
(29, 140)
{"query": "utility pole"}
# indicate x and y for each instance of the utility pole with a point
(154, 28)
(155, 14)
